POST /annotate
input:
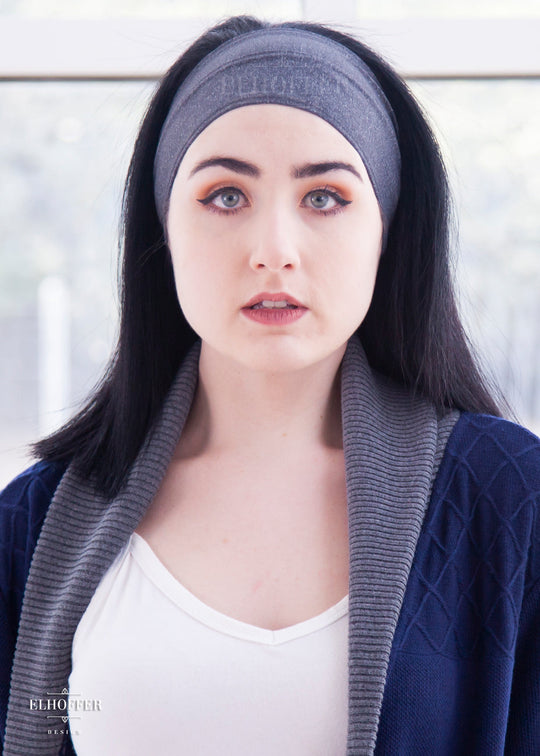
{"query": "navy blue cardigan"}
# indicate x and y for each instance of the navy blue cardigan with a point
(464, 673)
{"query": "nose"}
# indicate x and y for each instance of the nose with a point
(274, 242)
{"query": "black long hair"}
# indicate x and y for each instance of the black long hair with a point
(412, 331)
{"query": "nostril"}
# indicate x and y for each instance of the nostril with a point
(270, 255)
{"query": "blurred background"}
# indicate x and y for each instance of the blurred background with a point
(75, 79)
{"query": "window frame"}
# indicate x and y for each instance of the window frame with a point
(143, 48)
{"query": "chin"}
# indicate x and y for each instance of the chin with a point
(288, 356)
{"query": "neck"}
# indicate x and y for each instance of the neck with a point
(234, 405)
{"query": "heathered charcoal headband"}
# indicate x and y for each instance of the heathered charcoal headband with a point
(285, 66)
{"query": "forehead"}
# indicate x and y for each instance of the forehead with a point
(265, 130)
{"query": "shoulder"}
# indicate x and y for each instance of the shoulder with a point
(23, 506)
(488, 486)
(493, 453)
(32, 489)
(478, 556)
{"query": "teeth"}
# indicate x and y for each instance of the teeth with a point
(268, 303)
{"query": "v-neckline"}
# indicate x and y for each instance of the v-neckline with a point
(155, 571)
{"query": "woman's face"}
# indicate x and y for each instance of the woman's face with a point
(272, 203)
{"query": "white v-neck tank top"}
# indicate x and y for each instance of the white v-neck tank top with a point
(157, 671)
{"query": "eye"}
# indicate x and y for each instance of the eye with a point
(321, 200)
(325, 200)
(228, 199)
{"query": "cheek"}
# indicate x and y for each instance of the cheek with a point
(203, 259)
(188, 275)
(188, 253)
(192, 280)
(200, 276)
(353, 272)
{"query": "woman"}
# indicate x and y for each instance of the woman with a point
(291, 519)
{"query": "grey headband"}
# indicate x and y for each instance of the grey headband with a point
(285, 66)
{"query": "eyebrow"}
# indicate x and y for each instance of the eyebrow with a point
(238, 166)
(315, 169)
(248, 169)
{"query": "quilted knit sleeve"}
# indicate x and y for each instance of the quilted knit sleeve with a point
(23, 505)
(503, 465)
(523, 734)
(464, 675)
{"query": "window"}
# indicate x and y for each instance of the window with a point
(73, 90)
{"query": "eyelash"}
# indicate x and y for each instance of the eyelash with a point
(207, 201)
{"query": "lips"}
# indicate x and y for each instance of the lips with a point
(266, 296)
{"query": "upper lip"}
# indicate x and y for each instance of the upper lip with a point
(280, 296)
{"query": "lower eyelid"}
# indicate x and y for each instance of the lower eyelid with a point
(222, 211)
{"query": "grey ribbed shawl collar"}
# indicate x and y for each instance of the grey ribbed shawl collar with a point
(393, 445)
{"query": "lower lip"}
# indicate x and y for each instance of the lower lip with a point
(274, 316)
